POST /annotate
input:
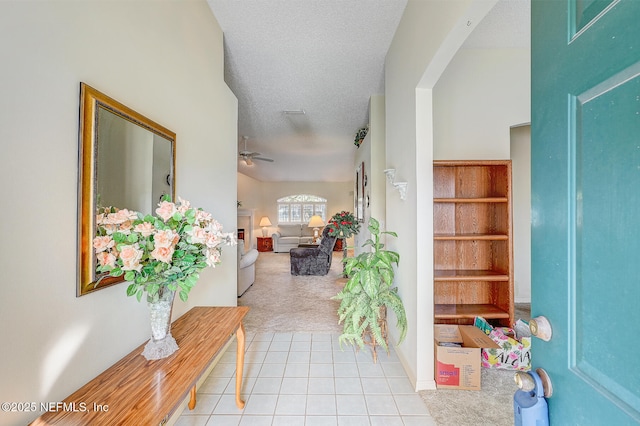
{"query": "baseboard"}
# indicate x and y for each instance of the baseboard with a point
(426, 385)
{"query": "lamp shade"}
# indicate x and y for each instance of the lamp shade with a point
(265, 221)
(316, 222)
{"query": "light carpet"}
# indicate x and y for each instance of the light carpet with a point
(281, 302)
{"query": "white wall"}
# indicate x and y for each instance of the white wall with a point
(521, 184)
(478, 102)
(423, 28)
(363, 155)
(377, 178)
(372, 153)
(163, 59)
(445, 103)
(262, 197)
(480, 96)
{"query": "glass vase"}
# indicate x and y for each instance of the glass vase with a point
(162, 343)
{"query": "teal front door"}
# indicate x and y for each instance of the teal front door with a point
(586, 206)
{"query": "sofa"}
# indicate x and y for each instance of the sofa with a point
(290, 236)
(246, 267)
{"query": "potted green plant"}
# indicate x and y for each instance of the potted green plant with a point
(368, 293)
(343, 225)
(360, 135)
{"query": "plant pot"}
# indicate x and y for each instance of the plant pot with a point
(162, 343)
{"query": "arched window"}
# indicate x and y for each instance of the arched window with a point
(299, 208)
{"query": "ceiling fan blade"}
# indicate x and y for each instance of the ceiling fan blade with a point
(263, 159)
(248, 161)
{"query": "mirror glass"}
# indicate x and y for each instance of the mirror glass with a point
(126, 161)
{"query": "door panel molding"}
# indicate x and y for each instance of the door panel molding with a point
(596, 351)
(585, 17)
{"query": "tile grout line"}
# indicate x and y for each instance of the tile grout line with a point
(334, 394)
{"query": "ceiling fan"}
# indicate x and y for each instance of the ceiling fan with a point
(249, 156)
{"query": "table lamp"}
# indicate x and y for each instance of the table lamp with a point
(264, 222)
(316, 223)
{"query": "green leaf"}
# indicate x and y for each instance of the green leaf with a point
(370, 282)
(184, 295)
(118, 238)
(192, 279)
(129, 275)
(131, 290)
(139, 295)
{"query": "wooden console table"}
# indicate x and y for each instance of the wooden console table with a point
(135, 391)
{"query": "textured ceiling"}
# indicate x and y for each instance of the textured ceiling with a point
(325, 57)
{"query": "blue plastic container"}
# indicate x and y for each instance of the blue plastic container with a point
(529, 406)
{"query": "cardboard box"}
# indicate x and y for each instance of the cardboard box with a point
(513, 353)
(458, 367)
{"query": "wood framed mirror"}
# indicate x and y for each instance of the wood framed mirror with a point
(125, 160)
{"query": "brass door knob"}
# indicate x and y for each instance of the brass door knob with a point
(541, 328)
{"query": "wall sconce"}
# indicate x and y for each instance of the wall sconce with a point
(391, 175)
(401, 187)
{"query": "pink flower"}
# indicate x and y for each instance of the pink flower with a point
(109, 229)
(163, 254)
(202, 216)
(183, 205)
(106, 259)
(145, 229)
(198, 235)
(213, 257)
(120, 217)
(131, 256)
(125, 215)
(100, 218)
(165, 238)
(214, 226)
(125, 227)
(101, 244)
(165, 210)
(213, 240)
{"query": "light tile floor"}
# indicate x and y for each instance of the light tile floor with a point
(306, 379)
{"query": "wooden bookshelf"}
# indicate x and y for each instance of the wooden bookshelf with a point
(473, 248)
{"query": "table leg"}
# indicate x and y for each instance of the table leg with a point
(239, 364)
(192, 400)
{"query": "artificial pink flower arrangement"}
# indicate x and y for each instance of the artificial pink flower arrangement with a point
(169, 249)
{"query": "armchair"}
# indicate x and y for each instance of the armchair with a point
(313, 260)
(246, 267)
